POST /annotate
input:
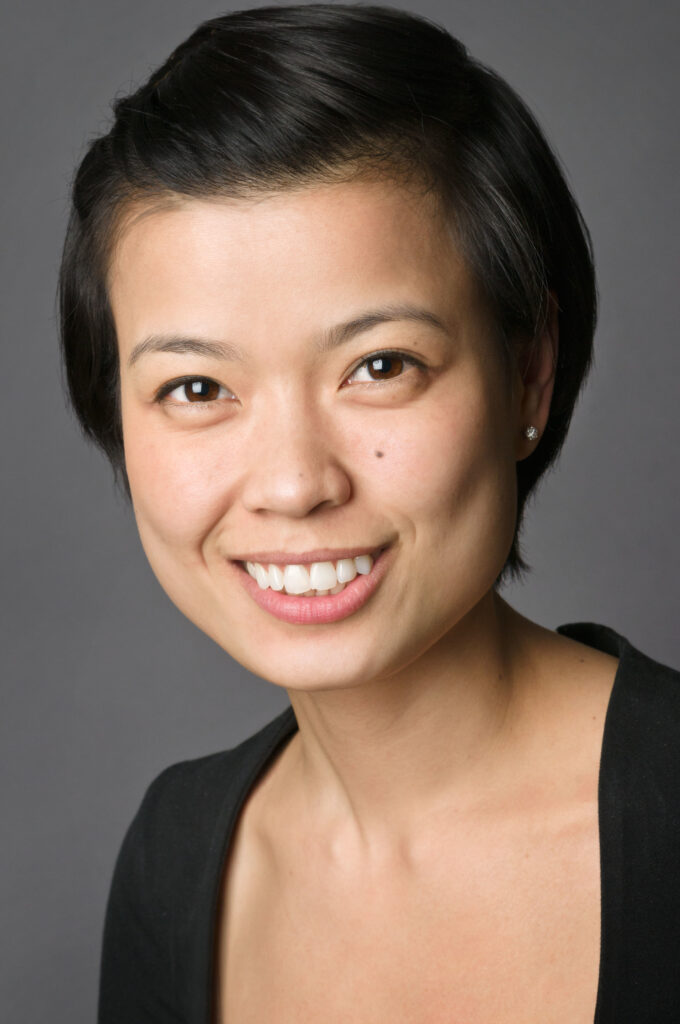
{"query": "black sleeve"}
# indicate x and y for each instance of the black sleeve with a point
(137, 976)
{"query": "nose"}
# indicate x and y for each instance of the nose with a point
(293, 465)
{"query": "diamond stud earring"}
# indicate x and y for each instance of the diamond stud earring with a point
(531, 433)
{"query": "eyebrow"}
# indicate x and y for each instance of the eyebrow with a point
(330, 339)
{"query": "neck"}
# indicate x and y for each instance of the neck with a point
(372, 763)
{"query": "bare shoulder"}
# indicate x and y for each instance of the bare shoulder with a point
(553, 664)
(576, 671)
(568, 688)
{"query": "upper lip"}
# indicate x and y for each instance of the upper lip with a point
(305, 557)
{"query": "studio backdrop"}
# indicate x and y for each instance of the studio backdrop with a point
(104, 683)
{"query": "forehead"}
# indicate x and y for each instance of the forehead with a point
(304, 256)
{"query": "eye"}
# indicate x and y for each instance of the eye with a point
(384, 366)
(192, 391)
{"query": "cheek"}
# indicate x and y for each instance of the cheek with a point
(178, 487)
(449, 472)
(439, 457)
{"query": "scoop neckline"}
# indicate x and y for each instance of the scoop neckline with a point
(592, 634)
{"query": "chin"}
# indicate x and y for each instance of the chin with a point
(299, 670)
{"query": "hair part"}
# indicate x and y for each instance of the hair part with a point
(279, 98)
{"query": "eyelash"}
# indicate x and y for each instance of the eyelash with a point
(178, 382)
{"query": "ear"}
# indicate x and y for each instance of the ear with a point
(537, 379)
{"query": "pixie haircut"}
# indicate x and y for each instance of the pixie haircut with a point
(278, 98)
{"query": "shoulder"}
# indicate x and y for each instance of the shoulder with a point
(641, 745)
(639, 796)
(158, 915)
(187, 810)
(645, 715)
(642, 681)
(186, 796)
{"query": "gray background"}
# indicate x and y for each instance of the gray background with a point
(104, 682)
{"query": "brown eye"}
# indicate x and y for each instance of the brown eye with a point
(383, 367)
(201, 390)
(192, 391)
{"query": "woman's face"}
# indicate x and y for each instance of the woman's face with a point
(292, 436)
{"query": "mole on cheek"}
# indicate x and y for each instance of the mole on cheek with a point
(379, 455)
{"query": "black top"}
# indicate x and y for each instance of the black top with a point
(157, 958)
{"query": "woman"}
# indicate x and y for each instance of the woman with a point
(327, 305)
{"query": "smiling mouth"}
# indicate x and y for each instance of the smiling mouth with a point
(310, 601)
(311, 579)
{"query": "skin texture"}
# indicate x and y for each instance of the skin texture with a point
(446, 744)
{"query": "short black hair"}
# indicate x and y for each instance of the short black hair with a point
(278, 97)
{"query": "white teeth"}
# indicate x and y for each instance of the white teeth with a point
(314, 580)
(346, 570)
(364, 564)
(322, 575)
(296, 579)
(262, 576)
(275, 577)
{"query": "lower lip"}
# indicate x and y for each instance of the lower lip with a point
(312, 611)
